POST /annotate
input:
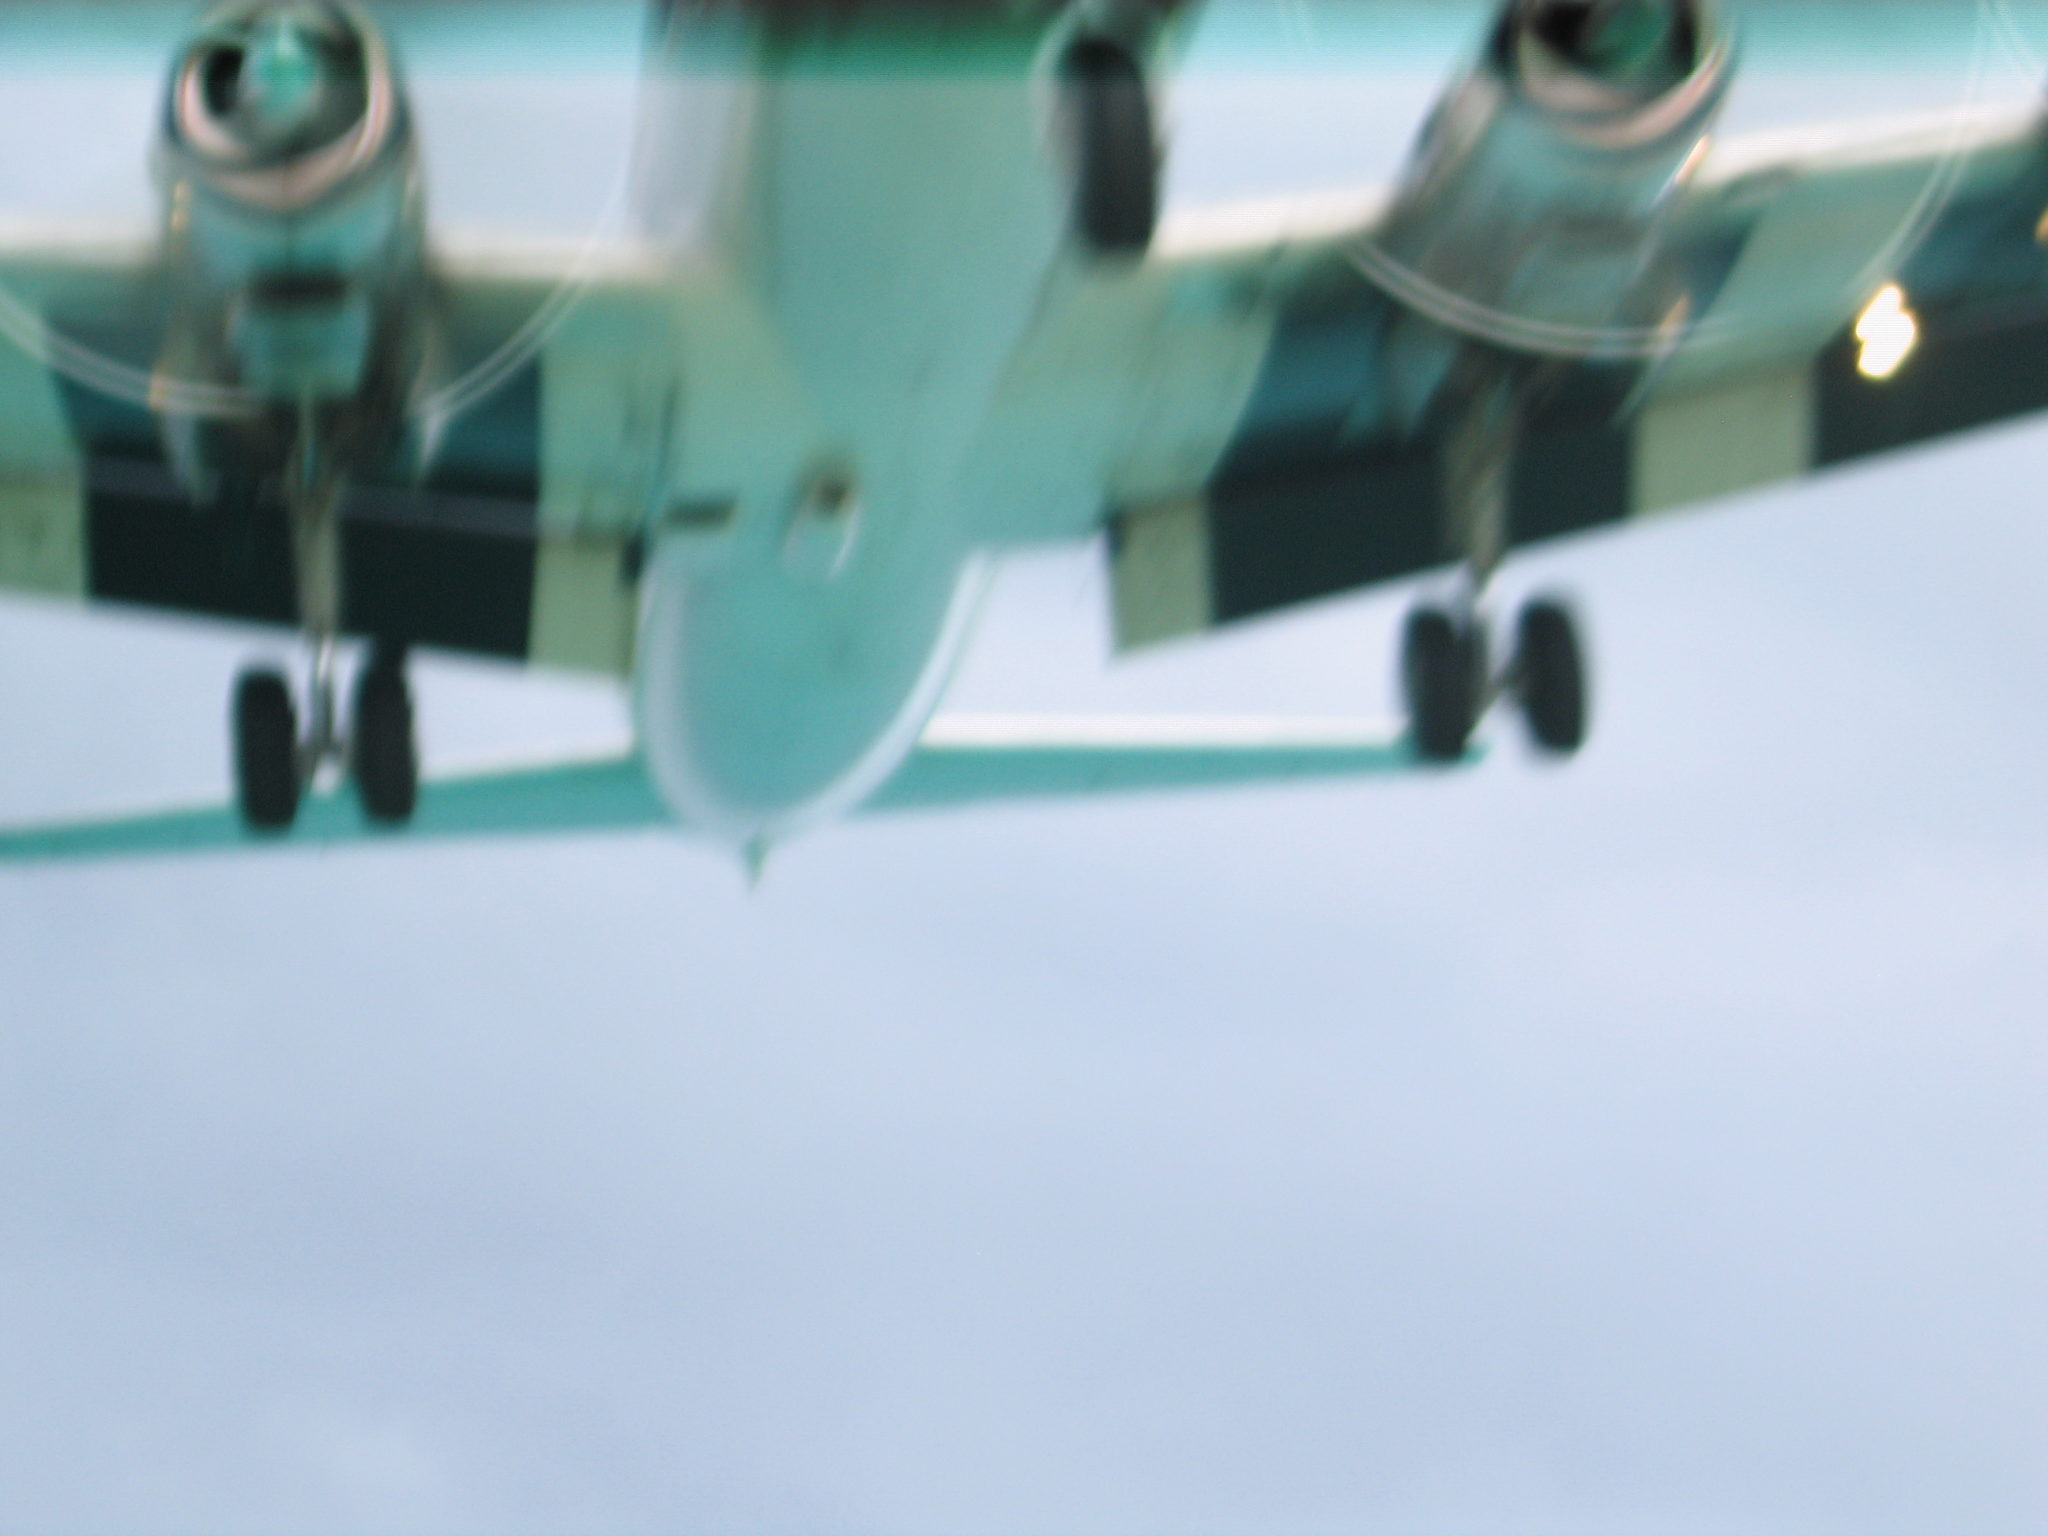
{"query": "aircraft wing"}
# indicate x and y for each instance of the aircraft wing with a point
(1245, 446)
(518, 540)
(962, 760)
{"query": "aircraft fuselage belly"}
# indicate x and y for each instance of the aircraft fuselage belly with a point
(891, 222)
(768, 703)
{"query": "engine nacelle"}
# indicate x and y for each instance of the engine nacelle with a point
(1535, 211)
(292, 194)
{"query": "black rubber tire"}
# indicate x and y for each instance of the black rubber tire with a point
(266, 741)
(1116, 160)
(1443, 674)
(1550, 668)
(383, 758)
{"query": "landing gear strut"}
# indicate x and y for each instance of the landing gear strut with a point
(275, 764)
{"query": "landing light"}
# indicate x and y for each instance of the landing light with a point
(1889, 332)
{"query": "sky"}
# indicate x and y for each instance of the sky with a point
(1648, 1146)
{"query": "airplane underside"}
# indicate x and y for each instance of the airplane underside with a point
(906, 297)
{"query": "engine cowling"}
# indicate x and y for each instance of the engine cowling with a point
(1536, 209)
(291, 191)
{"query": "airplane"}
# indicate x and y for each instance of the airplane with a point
(905, 296)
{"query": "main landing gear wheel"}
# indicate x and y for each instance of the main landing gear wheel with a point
(266, 731)
(1550, 677)
(382, 755)
(1115, 139)
(274, 763)
(1443, 674)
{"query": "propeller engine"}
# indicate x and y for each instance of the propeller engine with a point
(292, 196)
(1536, 206)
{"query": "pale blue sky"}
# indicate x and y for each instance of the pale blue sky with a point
(1650, 1147)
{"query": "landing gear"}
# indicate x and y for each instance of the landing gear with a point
(1448, 686)
(1114, 140)
(278, 758)
(1443, 674)
(1550, 677)
(1444, 655)
(382, 756)
(266, 727)
(275, 763)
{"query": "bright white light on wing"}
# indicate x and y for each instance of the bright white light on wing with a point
(1889, 332)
